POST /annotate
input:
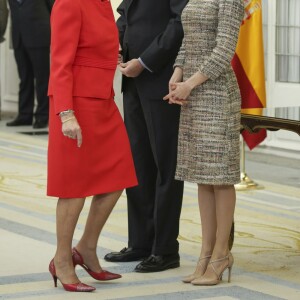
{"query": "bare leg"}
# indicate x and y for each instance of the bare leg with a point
(207, 207)
(225, 204)
(67, 214)
(100, 209)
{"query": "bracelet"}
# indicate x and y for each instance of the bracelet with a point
(66, 120)
(65, 112)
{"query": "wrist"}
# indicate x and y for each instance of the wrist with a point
(190, 84)
(66, 114)
(195, 80)
(67, 119)
(140, 63)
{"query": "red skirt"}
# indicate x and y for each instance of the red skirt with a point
(104, 161)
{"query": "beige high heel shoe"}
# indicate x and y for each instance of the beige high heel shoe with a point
(200, 269)
(219, 272)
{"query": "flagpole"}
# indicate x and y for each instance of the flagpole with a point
(246, 183)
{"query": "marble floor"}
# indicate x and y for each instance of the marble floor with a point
(266, 248)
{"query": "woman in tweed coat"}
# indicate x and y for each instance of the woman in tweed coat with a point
(208, 146)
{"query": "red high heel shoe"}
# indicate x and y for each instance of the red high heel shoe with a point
(73, 287)
(102, 276)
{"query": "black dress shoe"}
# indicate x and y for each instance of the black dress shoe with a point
(157, 263)
(19, 122)
(126, 254)
(40, 124)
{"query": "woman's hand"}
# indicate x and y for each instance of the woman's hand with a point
(71, 129)
(179, 93)
(176, 77)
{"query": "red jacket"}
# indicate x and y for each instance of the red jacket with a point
(84, 51)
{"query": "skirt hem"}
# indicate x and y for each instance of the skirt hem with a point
(85, 195)
(182, 178)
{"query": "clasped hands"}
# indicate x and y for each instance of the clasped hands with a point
(178, 93)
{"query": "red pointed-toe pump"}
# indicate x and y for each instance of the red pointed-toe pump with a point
(73, 287)
(102, 276)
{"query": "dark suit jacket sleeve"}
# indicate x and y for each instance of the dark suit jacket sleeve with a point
(165, 46)
(49, 4)
(121, 22)
(65, 31)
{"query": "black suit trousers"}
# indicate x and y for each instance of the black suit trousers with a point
(154, 206)
(33, 68)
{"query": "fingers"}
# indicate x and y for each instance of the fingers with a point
(120, 59)
(79, 138)
(70, 135)
(132, 68)
(180, 102)
(123, 65)
(172, 96)
(75, 136)
(167, 97)
(124, 69)
(172, 86)
(72, 131)
(173, 100)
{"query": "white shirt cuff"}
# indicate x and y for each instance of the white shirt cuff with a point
(142, 63)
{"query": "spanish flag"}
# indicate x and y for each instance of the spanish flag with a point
(248, 64)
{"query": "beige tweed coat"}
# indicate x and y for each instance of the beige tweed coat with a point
(208, 146)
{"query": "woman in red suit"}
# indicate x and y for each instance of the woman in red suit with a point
(89, 152)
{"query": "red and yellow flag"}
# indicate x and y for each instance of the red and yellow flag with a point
(248, 64)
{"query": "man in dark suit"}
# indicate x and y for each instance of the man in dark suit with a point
(150, 35)
(31, 42)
